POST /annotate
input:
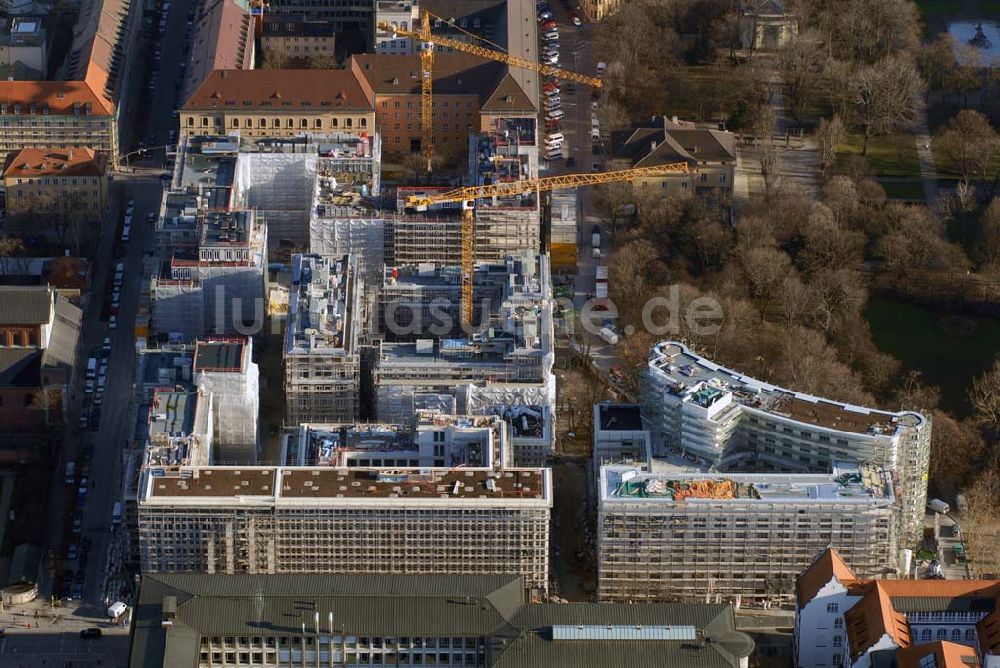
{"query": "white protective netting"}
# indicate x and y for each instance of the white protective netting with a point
(280, 187)
(235, 399)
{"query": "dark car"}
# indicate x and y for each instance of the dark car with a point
(92, 633)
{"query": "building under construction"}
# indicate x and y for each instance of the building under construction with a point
(322, 346)
(258, 520)
(683, 536)
(503, 368)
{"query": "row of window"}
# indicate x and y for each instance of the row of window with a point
(276, 123)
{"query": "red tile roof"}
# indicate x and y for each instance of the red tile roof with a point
(947, 655)
(60, 97)
(873, 617)
(827, 566)
(35, 162)
(313, 90)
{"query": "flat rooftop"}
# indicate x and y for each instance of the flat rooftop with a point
(208, 165)
(172, 413)
(619, 417)
(866, 483)
(231, 228)
(219, 354)
(332, 483)
(322, 298)
(703, 382)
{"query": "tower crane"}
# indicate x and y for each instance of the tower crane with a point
(469, 194)
(428, 42)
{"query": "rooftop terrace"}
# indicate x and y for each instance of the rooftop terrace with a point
(321, 303)
(702, 382)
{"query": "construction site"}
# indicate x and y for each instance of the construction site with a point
(737, 536)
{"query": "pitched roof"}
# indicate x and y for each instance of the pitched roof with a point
(492, 607)
(223, 39)
(827, 566)
(25, 305)
(873, 617)
(59, 97)
(313, 90)
(454, 74)
(946, 655)
(663, 141)
(35, 162)
(96, 49)
(20, 367)
(508, 97)
(988, 632)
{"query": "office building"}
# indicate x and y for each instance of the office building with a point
(844, 619)
(280, 103)
(469, 95)
(347, 520)
(732, 421)
(322, 340)
(470, 21)
(435, 620)
(296, 38)
(685, 536)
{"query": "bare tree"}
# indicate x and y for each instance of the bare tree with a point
(322, 61)
(971, 145)
(884, 93)
(988, 241)
(981, 523)
(801, 64)
(829, 135)
(275, 58)
(765, 269)
(984, 394)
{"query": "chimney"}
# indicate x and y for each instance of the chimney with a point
(169, 610)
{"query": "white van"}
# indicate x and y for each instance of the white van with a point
(555, 114)
(555, 137)
(554, 155)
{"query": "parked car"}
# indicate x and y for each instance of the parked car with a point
(106, 346)
(92, 633)
(113, 322)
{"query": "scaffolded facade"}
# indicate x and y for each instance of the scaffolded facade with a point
(688, 537)
(346, 520)
(322, 358)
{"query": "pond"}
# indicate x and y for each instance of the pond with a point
(964, 31)
(949, 350)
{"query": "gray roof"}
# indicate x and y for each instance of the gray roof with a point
(662, 141)
(718, 643)
(20, 367)
(471, 606)
(944, 603)
(65, 336)
(25, 305)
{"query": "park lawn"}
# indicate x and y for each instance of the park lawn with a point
(908, 190)
(892, 155)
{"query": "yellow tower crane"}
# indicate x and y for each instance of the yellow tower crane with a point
(428, 42)
(468, 196)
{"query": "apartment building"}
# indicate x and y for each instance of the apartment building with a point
(844, 619)
(343, 16)
(322, 340)
(503, 368)
(469, 94)
(682, 536)
(81, 111)
(597, 10)
(710, 155)
(280, 103)
(436, 620)
(24, 48)
(346, 520)
(431, 439)
(46, 184)
(223, 40)
(297, 38)
(732, 421)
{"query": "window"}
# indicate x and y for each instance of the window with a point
(249, 123)
(942, 634)
(838, 623)
(928, 661)
(925, 635)
(262, 123)
(204, 121)
(832, 607)
(364, 122)
(319, 123)
(956, 635)
(838, 641)
(303, 123)
(349, 122)
(970, 635)
(236, 123)
(290, 123)
(190, 121)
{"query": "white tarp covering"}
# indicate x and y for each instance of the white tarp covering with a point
(280, 187)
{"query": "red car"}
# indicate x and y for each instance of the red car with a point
(548, 25)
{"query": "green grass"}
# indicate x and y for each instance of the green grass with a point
(915, 336)
(893, 155)
(910, 191)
